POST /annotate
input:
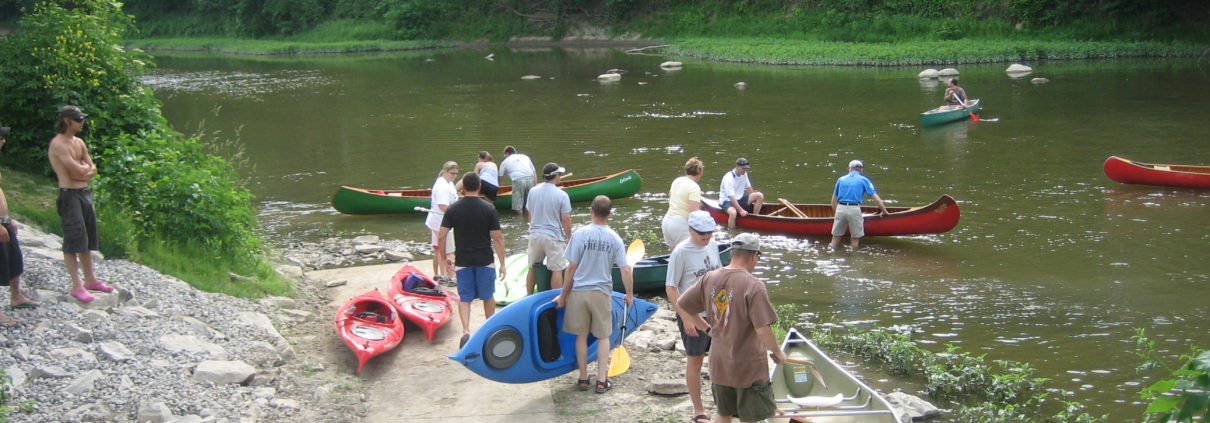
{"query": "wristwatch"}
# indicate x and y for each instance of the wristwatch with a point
(5, 219)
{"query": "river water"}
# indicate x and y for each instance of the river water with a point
(1052, 263)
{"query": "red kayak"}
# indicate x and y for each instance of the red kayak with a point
(369, 325)
(420, 300)
(816, 219)
(1132, 172)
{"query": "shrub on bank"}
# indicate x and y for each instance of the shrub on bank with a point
(157, 190)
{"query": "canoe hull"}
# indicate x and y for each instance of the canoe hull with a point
(367, 335)
(939, 217)
(858, 403)
(430, 310)
(649, 273)
(525, 343)
(1131, 172)
(352, 200)
(940, 115)
(511, 287)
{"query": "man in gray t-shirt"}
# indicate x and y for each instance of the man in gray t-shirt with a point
(549, 226)
(592, 252)
(691, 259)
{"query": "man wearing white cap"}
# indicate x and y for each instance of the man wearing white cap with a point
(691, 259)
(549, 226)
(846, 201)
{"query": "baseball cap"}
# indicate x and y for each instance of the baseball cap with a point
(856, 163)
(71, 112)
(742, 162)
(551, 169)
(701, 221)
(4, 131)
(746, 241)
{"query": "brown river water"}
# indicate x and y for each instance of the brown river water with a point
(1052, 263)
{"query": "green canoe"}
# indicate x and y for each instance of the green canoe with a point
(511, 287)
(649, 273)
(945, 114)
(350, 200)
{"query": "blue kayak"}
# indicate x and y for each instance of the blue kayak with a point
(525, 342)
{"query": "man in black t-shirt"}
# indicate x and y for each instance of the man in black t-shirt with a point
(476, 227)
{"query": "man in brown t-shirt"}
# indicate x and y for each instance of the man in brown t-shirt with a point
(739, 314)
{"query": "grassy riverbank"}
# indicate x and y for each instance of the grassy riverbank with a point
(806, 52)
(280, 47)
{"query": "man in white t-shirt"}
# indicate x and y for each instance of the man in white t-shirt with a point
(549, 226)
(735, 194)
(691, 259)
(520, 169)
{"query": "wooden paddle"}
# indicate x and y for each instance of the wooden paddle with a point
(619, 358)
(810, 365)
(791, 206)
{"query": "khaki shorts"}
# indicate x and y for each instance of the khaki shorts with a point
(589, 311)
(675, 228)
(848, 217)
(751, 404)
(542, 246)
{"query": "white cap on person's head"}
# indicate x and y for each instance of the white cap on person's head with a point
(701, 222)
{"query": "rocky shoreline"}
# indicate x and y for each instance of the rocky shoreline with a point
(158, 350)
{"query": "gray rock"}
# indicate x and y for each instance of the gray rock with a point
(52, 372)
(188, 418)
(95, 316)
(290, 271)
(191, 344)
(22, 353)
(1018, 68)
(69, 352)
(336, 283)
(911, 408)
(1039, 81)
(222, 372)
(947, 72)
(136, 311)
(368, 249)
(366, 239)
(262, 379)
(668, 387)
(93, 413)
(115, 351)
(16, 375)
(927, 74)
(83, 383)
(262, 354)
(264, 392)
(393, 255)
(279, 302)
(240, 278)
(78, 334)
(284, 403)
(296, 315)
(641, 340)
(102, 301)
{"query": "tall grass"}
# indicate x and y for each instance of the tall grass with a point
(278, 47)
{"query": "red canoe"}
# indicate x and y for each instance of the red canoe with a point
(368, 325)
(427, 304)
(816, 219)
(1131, 172)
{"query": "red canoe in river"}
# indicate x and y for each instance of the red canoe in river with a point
(368, 325)
(421, 300)
(1132, 172)
(816, 219)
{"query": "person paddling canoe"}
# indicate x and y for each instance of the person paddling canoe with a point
(955, 96)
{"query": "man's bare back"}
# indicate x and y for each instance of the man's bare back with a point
(69, 157)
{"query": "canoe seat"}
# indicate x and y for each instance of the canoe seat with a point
(370, 316)
(548, 335)
(817, 401)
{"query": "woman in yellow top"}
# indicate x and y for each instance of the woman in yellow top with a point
(685, 196)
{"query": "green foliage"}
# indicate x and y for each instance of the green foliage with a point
(787, 318)
(274, 47)
(1185, 395)
(158, 192)
(1000, 391)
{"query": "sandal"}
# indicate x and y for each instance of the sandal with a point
(582, 384)
(700, 418)
(603, 387)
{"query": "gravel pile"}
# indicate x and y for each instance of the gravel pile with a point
(156, 350)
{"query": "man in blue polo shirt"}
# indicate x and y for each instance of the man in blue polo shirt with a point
(846, 201)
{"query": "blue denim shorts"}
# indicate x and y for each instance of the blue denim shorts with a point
(476, 282)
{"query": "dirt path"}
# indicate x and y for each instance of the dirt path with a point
(418, 383)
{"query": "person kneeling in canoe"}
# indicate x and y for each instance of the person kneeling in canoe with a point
(740, 315)
(691, 259)
(476, 228)
(955, 96)
(591, 253)
(846, 202)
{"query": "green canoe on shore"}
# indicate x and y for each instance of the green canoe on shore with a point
(649, 273)
(945, 114)
(350, 200)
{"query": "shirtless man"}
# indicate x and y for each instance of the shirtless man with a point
(74, 168)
